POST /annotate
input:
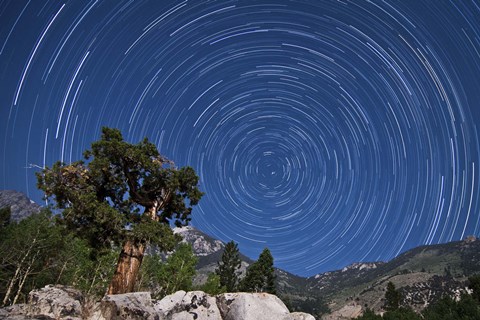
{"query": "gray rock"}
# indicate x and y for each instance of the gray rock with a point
(15, 312)
(299, 316)
(55, 302)
(251, 306)
(169, 302)
(65, 303)
(136, 305)
(192, 305)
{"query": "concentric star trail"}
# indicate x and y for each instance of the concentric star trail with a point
(329, 131)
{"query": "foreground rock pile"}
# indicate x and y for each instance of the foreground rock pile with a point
(58, 302)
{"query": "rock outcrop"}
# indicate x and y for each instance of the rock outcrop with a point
(59, 302)
(188, 305)
(135, 306)
(51, 302)
(251, 306)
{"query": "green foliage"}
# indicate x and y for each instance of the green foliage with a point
(118, 185)
(402, 314)
(260, 276)
(314, 305)
(467, 308)
(213, 285)
(448, 272)
(474, 284)
(392, 298)
(25, 251)
(83, 267)
(176, 273)
(227, 268)
(369, 315)
(448, 309)
(5, 214)
(38, 251)
(398, 314)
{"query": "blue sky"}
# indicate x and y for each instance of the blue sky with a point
(329, 131)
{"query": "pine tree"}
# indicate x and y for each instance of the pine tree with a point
(260, 276)
(228, 268)
(392, 297)
(122, 193)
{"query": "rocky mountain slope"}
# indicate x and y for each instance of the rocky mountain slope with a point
(20, 205)
(423, 275)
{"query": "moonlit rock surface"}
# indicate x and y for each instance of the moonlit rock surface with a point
(251, 306)
(299, 316)
(361, 266)
(56, 302)
(135, 305)
(59, 302)
(192, 305)
(202, 244)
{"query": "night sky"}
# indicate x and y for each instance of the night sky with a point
(329, 131)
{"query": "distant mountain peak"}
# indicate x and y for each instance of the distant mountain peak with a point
(361, 266)
(202, 244)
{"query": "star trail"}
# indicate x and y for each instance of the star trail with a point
(329, 131)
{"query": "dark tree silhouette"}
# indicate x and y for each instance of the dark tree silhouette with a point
(260, 276)
(227, 269)
(474, 285)
(392, 297)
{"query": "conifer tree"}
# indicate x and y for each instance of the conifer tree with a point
(228, 268)
(260, 276)
(122, 193)
(392, 297)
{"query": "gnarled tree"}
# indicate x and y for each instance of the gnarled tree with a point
(125, 194)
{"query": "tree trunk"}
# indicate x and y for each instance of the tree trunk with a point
(16, 276)
(152, 211)
(128, 266)
(22, 282)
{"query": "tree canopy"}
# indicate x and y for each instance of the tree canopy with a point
(122, 193)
